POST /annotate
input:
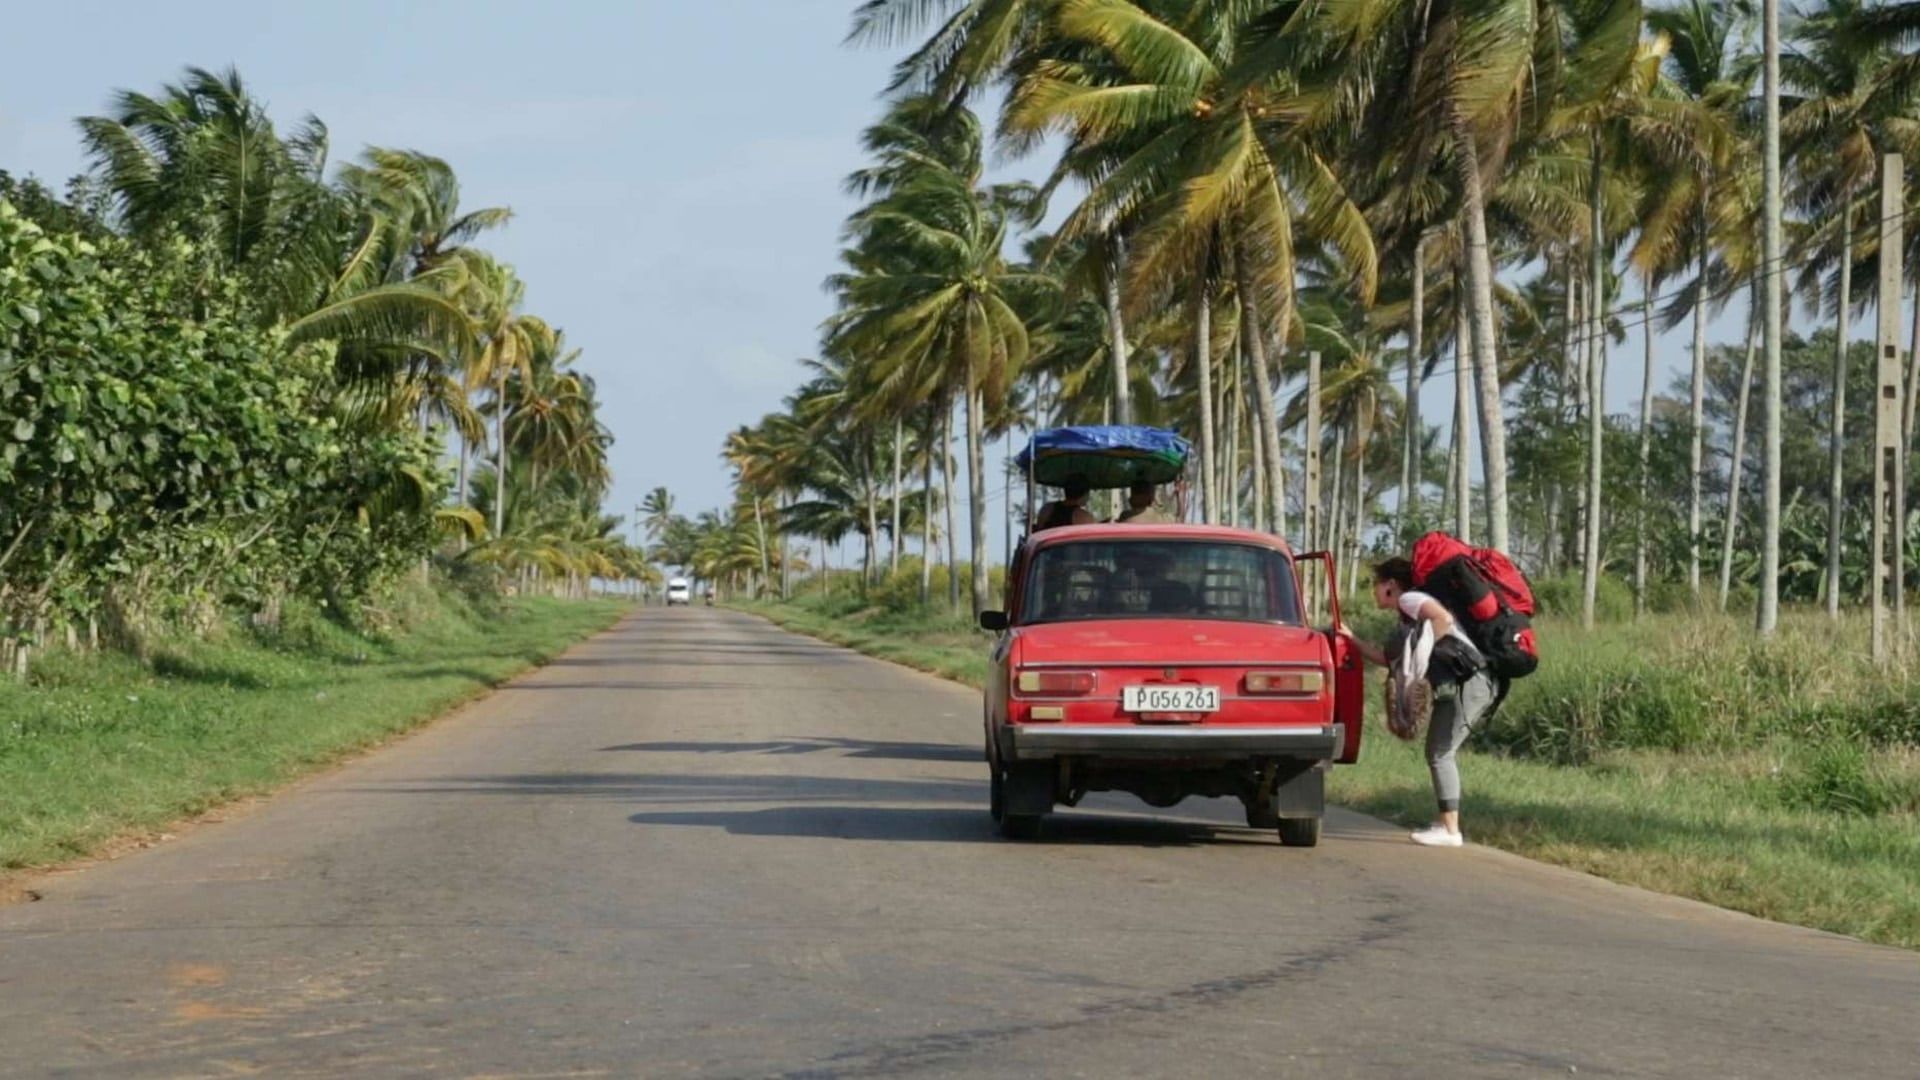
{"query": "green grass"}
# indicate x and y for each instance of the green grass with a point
(99, 746)
(1677, 754)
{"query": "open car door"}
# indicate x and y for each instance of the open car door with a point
(1349, 679)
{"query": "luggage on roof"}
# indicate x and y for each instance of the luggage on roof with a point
(1105, 456)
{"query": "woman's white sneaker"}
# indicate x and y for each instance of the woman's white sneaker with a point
(1438, 836)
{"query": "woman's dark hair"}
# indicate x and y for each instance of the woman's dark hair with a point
(1076, 487)
(1396, 570)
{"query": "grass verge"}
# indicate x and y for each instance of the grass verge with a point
(100, 746)
(1798, 822)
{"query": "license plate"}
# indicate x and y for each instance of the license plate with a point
(1180, 698)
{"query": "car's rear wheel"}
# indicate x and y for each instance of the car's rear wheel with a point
(1300, 832)
(1011, 826)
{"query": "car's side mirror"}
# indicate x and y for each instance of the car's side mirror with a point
(995, 621)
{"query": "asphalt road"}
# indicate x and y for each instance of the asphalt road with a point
(697, 845)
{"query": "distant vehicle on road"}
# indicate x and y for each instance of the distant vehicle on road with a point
(1168, 661)
(679, 591)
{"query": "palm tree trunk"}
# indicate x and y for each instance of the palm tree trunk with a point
(946, 479)
(977, 493)
(1416, 341)
(1334, 538)
(899, 441)
(1254, 333)
(870, 495)
(786, 550)
(1733, 469)
(1236, 418)
(1837, 422)
(1259, 514)
(1646, 457)
(500, 455)
(1696, 416)
(1767, 618)
(1203, 365)
(1117, 329)
(1360, 434)
(760, 526)
(926, 514)
(1493, 424)
(1459, 474)
(1596, 390)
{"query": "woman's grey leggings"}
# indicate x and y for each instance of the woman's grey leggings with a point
(1456, 709)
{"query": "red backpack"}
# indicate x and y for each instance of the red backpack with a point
(1487, 593)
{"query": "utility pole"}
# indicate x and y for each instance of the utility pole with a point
(1889, 486)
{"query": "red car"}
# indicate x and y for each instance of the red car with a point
(1167, 661)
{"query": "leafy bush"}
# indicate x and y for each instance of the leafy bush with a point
(1836, 775)
(183, 457)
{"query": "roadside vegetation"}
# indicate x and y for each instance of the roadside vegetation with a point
(96, 747)
(286, 466)
(1678, 754)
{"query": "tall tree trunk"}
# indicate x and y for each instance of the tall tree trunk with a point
(500, 455)
(1117, 329)
(1739, 458)
(1493, 424)
(1333, 538)
(1416, 353)
(1696, 416)
(952, 545)
(1767, 618)
(466, 467)
(870, 559)
(760, 527)
(1837, 421)
(1259, 472)
(926, 514)
(1238, 417)
(1646, 456)
(977, 494)
(1596, 389)
(899, 448)
(1253, 331)
(1203, 365)
(1360, 434)
(786, 550)
(1459, 475)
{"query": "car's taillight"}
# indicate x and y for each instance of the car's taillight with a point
(1284, 682)
(1055, 682)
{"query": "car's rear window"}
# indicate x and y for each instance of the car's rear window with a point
(1117, 579)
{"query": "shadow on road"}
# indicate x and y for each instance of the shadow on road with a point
(857, 748)
(950, 824)
(849, 808)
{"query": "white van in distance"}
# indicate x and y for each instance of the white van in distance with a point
(679, 591)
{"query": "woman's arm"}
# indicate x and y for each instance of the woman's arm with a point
(1371, 653)
(1436, 613)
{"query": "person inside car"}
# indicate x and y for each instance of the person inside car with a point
(1141, 509)
(1069, 509)
(1458, 690)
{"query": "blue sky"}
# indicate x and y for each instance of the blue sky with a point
(674, 168)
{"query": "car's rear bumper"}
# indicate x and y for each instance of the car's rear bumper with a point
(1027, 742)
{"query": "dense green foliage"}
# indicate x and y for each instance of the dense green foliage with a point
(228, 381)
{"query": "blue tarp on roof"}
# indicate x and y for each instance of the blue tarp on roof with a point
(1105, 456)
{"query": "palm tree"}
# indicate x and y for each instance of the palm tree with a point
(508, 341)
(1706, 62)
(1767, 615)
(1835, 125)
(1183, 128)
(940, 306)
